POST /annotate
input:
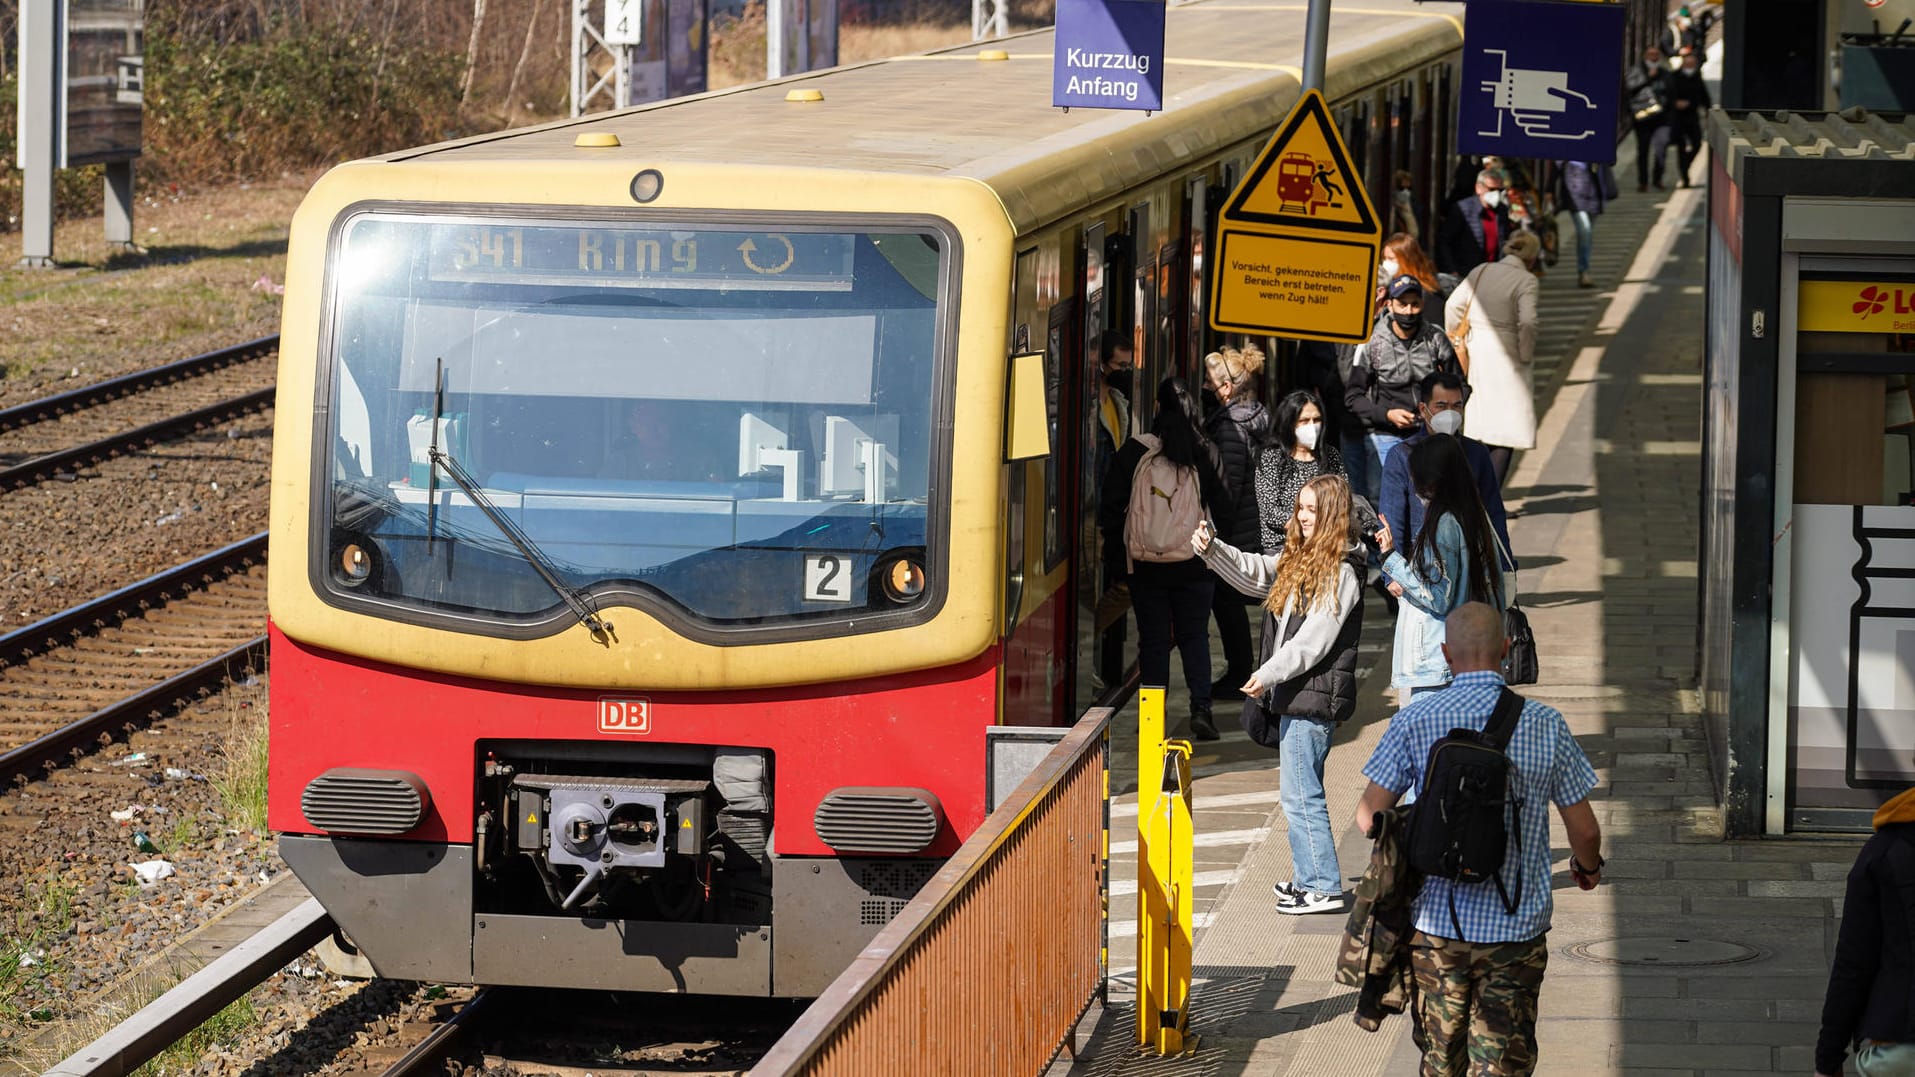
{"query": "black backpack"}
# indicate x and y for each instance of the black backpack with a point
(1460, 826)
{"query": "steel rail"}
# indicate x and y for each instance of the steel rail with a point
(46, 751)
(427, 1056)
(43, 467)
(88, 396)
(91, 616)
(136, 1040)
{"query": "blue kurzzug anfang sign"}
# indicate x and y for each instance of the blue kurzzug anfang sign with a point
(1540, 79)
(1110, 54)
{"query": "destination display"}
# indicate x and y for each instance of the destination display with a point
(642, 258)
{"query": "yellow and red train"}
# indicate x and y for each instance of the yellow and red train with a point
(657, 522)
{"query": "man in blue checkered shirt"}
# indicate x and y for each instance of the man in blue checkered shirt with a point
(1476, 995)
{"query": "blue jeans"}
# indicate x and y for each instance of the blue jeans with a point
(1381, 443)
(1886, 1060)
(1364, 479)
(1313, 850)
(1585, 234)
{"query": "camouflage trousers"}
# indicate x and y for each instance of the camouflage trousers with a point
(1476, 1005)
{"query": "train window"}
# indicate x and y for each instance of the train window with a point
(732, 427)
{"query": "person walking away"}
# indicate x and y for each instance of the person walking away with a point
(1450, 560)
(1643, 87)
(1476, 989)
(1239, 429)
(1580, 191)
(1870, 1005)
(1475, 227)
(1403, 255)
(1116, 362)
(1498, 301)
(1688, 101)
(1381, 389)
(1313, 617)
(1160, 484)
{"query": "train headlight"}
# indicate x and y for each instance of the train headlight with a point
(904, 580)
(355, 564)
(647, 185)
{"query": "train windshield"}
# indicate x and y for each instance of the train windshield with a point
(731, 428)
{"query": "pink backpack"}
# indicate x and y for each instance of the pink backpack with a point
(1166, 505)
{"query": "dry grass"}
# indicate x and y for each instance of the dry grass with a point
(239, 774)
(202, 252)
(738, 49)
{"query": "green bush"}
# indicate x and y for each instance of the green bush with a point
(76, 191)
(291, 98)
(223, 111)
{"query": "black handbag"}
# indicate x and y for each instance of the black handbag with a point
(1519, 665)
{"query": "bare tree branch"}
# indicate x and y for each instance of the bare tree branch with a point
(472, 52)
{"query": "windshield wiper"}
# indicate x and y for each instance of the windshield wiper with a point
(600, 628)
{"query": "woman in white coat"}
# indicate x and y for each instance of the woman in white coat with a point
(1499, 301)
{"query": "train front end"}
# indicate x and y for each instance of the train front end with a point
(636, 536)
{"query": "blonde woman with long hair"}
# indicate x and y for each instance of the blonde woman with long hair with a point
(1238, 428)
(1313, 614)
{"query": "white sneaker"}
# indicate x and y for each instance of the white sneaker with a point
(1302, 902)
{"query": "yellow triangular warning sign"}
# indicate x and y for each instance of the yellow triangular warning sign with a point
(1304, 180)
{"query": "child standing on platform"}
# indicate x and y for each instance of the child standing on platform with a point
(1313, 615)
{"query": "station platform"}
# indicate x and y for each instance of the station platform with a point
(1696, 955)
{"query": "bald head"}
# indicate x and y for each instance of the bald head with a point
(1473, 638)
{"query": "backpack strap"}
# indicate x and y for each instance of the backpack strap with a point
(1502, 720)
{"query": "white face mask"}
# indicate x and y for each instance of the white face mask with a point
(1446, 422)
(1389, 269)
(1308, 433)
(1492, 199)
(1403, 195)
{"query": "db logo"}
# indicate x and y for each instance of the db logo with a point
(630, 717)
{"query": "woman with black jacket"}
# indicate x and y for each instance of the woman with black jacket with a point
(1313, 616)
(1871, 999)
(1238, 429)
(1171, 597)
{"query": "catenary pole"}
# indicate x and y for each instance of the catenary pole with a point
(1316, 44)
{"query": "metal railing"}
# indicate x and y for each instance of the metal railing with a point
(991, 966)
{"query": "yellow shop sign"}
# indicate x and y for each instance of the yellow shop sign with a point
(1856, 306)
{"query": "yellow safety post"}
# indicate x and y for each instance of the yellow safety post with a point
(1163, 880)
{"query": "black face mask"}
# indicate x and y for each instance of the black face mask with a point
(1119, 380)
(1406, 321)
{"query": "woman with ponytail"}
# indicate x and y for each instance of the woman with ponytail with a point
(1313, 615)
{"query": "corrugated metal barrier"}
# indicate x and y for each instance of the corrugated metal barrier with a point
(988, 970)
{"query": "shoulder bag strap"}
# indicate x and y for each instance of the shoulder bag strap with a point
(1507, 558)
(1502, 720)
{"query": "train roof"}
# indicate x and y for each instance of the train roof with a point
(1231, 71)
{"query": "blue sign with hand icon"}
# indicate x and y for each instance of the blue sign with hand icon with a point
(1541, 78)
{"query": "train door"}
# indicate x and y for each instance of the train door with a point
(1152, 364)
(1196, 234)
(1102, 424)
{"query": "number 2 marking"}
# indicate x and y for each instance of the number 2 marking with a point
(825, 579)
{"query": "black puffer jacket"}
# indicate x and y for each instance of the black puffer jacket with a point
(1237, 430)
(1872, 984)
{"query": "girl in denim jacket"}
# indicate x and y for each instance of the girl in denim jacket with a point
(1450, 562)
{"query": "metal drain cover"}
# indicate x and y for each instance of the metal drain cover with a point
(1665, 951)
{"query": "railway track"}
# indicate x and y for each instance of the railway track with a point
(83, 675)
(57, 435)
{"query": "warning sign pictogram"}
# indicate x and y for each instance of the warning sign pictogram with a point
(1303, 179)
(1297, 240)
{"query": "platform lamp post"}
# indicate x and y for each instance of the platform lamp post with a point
(81, 89)
(1316, 44)
(38, 138)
